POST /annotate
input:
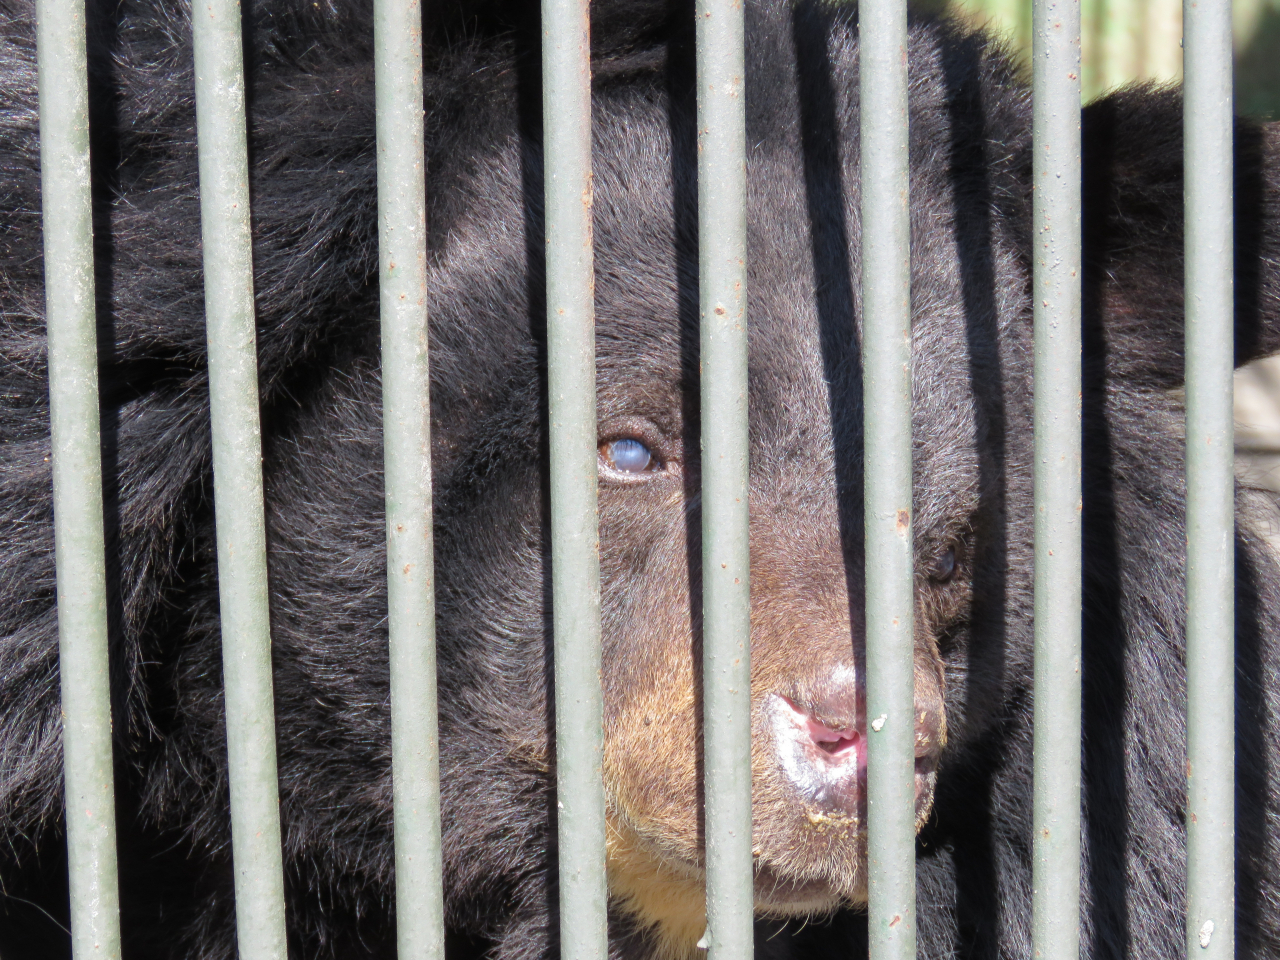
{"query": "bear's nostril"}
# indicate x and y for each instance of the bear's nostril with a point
(834, 742)
(843, 745)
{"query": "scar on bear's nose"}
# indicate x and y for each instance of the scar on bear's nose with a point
(818, 747)
(835, 742)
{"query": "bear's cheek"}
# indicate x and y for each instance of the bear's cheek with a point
(651, 715)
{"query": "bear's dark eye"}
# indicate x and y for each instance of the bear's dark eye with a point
(627, 456)
(944, 567)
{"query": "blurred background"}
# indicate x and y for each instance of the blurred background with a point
(1127, 40)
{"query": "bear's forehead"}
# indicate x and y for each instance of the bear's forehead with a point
(803, 261)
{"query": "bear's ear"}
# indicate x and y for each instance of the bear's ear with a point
(1133, 237)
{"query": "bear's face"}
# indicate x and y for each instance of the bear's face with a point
(807, 557)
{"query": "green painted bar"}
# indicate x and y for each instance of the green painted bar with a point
(575, 548)
(237, 477)
(726, 561)
(1055, 868)
(890, 592)
(1207, 127)
(406, 405)
(77, 479)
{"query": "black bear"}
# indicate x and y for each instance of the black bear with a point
(311, 124)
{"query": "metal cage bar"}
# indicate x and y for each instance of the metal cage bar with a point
(575, 547)
(726, 564)
(890, 588)
(406, 427)
(1210, 655)
(1056, 291)
(237, 480)
(75, 445)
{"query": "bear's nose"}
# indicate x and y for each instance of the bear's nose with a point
(819, 739)
(818, 734)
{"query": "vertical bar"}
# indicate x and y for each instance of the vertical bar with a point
(77, 478)
(406, 406)
(1055, 869)
(890, 593)
(726, 588)
(237, 476)
(1207, 129)
(575, 553)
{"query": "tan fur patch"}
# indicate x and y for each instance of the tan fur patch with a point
(660, 897)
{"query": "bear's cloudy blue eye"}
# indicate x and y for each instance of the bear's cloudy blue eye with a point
(628, 456)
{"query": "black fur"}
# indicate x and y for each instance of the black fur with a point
(311, 121)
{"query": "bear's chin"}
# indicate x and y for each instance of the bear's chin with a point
(664, 896)
(809, 863)
(780, 897)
